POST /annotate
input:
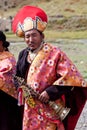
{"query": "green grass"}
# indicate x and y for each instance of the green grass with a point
(52, 35)
(66, 35)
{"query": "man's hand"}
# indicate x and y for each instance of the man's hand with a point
(44, 97)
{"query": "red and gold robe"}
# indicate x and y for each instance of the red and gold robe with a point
(51, 67)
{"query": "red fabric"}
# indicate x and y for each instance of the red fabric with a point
(77, 102)
(28, 11)
(20, 97)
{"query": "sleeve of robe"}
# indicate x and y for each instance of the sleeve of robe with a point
(70, 76)
(55, 91)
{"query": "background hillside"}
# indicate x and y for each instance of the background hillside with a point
(52, 7)
(63, 15)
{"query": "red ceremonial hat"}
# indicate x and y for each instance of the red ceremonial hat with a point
(27, 18)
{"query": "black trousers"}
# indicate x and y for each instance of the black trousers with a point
(10, 113)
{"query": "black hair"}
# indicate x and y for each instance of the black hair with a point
(6, 44)
(40, 32)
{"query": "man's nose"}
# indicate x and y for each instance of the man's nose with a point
(31, 39)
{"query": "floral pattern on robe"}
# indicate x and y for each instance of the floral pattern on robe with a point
(7, 69)
(50, 67)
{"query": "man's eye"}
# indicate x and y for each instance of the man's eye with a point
(34, 35)
(26, 36)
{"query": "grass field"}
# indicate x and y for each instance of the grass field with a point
(75, 49)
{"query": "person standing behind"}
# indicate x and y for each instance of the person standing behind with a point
(49, 72)
(9, 110)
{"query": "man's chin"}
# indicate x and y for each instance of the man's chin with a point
(32, 48)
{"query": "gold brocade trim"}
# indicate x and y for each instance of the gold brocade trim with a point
(27, 96)
(10, 91)
(29, 24)
(51, 126)
(2, 83)
(5, 54)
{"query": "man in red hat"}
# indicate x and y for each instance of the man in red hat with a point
(51, 77)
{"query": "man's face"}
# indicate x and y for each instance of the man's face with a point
(33, 38)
